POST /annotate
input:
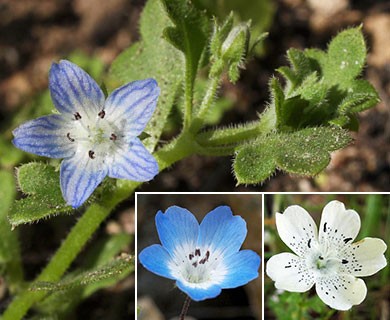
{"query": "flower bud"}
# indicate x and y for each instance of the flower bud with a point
(235, 46)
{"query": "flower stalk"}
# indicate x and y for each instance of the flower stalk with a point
(186, 306)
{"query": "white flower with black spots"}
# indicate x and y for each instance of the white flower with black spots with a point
(327, 259)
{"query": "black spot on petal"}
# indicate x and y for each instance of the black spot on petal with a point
(69, 137)
(101, 114)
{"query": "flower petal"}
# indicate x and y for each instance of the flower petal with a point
(79, 177)
(341, 292)
(364, 258)
(297, 229)
(45, 136)
(221, 232)
(241, 268)
(135, 163)
(156, 259)
(178, 230)
(199, 291)
(338, 227)
(73, 90)
(135, 102)
(289, 272)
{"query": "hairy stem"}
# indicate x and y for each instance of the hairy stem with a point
(188, 93)
(207, 102)
(186, 305)
(235, 135)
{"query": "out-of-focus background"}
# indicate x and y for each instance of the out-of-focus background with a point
(158, 298)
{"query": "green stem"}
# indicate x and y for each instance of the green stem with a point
(207, 101)
(188, 93)
(232, 136)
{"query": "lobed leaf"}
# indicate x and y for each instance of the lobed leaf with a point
(305, 152)
(323, 85)
(189, 33)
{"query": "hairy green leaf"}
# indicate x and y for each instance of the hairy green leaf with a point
(152, 57)
(305, 152)
(190, 32)
(321, 87)
(10, 259)
(255, 162)
(346, 57)
(41, 183)
(116, 268)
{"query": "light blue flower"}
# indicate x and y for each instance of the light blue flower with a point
(205, 258)
(95, 136)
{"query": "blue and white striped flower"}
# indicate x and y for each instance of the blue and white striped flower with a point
(205, 258)
(327, 259)
(95, 136)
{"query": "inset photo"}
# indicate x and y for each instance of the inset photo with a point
(326, 256)
(199, 256)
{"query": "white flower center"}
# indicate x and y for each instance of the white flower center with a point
(198, 266)
(97, 137)
(322, 260)
(195, 266)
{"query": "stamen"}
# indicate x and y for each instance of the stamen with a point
(195, 264)
(207, 255)
(346, 240)
(91, 154)
(321, 258)
(344, 261)
(197, 252)
(77, 116)
(308, 243)
(325, 226)
(101, 114)
(191, 256)
(113, 137)
(68, 136)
